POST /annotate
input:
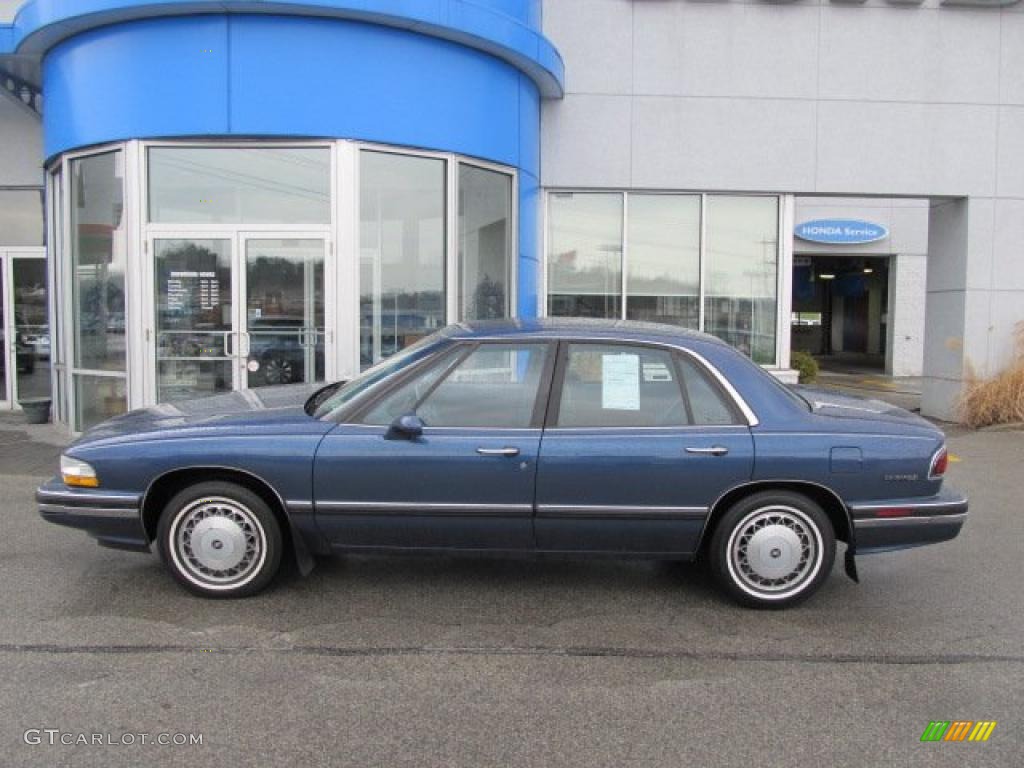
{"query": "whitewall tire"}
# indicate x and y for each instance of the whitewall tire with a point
(219, 539)
(772, 549)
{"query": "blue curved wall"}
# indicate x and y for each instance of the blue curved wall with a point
(296, 76)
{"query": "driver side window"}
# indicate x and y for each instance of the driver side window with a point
(496, 386)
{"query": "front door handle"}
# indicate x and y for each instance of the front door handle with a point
(498, 451)
(714, 450)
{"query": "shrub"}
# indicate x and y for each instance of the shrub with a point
(806, 365)
(999, 399)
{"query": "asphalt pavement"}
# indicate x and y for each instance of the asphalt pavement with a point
(476, 662)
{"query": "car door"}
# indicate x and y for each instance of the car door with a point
(466, 481)
(640, 441)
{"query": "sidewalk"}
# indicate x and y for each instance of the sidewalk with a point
(29, 449)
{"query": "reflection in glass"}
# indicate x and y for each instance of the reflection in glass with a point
(252, 185)
(99, 398)
(585, 255)
(21, 217)
(664, 259)
(485, 243)
(285, 311)
(3, 338)
(31, 328)
(98, 261)
(741, 273)
(193, 317)
(402, 252)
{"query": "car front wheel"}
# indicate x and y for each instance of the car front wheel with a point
(220, 540)
(772, 549)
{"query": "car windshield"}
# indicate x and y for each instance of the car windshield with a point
(374, 375)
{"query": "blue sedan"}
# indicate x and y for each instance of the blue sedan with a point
(565, 437)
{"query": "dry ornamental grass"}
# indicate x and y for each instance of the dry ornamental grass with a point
(999, 399)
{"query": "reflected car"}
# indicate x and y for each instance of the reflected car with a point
(277, 352)
(553, 437)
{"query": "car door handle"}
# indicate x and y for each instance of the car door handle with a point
(714, 450)
(498, 451)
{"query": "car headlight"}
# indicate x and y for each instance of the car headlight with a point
(77, 472)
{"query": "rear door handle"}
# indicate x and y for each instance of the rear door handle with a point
(498, 451)
(714, 450)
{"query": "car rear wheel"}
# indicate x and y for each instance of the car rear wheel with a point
(772, 549)
(220, 540)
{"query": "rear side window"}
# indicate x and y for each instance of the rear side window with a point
(708, 404)
(609, 385)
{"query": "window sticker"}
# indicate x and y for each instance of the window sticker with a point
(620, 382)
(656, 371)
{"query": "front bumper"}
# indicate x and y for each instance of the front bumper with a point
(880, 526)
(111, 517)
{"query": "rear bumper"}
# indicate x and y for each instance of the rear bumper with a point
(110, 517)
(880, 526)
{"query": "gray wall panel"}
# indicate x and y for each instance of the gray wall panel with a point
(906, 148)
(746, 144)
(725, 49)
(21, 145)
(910, 54)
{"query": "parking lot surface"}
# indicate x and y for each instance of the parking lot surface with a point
(477, 662)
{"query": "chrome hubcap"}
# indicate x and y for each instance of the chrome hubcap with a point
(775, 550)
(219, 541)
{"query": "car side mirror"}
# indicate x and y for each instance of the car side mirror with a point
(406, 427)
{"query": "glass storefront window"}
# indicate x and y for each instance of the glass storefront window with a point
(252, 185)
(660, 235)
(402, 252)
(741, 294)
(585, 254)
(663, 275)
(98, 262)
(485, 243)
(21, 217)
(99, 398)
(240, 264)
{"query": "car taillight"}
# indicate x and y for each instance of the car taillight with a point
(939, 463)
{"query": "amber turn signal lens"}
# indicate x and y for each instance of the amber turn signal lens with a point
(75, 472)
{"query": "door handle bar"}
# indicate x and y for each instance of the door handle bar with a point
(714, 450)
(498, 451)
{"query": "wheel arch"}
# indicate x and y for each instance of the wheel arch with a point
(825, 497)
(163, 488)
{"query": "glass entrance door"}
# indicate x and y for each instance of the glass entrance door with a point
(235, 311)
(5, 359)
(196, 343)
(30, 336)
(24, 327)
(283, 338)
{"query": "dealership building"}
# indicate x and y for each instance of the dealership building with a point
(200, 196)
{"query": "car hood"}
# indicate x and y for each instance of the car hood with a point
(833, 404)
(268, 410)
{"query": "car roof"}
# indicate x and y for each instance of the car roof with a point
(578, 328)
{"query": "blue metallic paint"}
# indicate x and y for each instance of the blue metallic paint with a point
(221, 75)
(360, 464)
(627, 493)
(507, 29)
